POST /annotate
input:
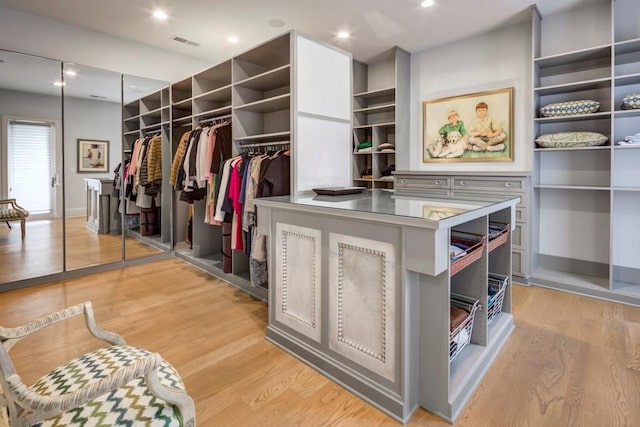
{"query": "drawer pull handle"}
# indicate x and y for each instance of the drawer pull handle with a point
(461, 182)
(437, 182)
(403, 181)
(508, 184)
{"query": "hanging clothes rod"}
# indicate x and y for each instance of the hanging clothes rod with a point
(215, 119)
(151, 129)
(263, 144)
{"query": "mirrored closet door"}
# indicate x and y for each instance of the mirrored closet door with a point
(93, 149)
(30, 166)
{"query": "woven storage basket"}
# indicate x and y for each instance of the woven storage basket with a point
(474, 251)
(499, 239)
(461, 336)
(499, 283)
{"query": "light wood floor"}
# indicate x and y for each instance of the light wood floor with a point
(41, 251)
(566, 363)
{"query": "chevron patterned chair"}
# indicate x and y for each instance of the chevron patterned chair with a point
(11, 211)
(118, 385)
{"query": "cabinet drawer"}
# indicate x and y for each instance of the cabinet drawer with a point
(519, 264)
(517, 237)
(422, 183)
(508, 185)
(521, 214)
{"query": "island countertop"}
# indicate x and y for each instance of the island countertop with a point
(386, 206)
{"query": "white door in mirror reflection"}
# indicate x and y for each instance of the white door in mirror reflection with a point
(30, 165)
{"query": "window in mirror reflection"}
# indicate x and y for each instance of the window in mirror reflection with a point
(30, 167)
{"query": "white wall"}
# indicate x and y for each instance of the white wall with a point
(27, 33)
(86, 119)
(83, 119)
(494, 60)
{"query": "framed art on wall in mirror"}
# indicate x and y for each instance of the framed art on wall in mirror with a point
(93, 155)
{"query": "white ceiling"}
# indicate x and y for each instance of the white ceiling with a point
(375, 25)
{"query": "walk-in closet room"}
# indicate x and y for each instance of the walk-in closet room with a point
(244, 213)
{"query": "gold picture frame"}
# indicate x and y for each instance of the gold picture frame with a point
(440, 212)
(475, 127)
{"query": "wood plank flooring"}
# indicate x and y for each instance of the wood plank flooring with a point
(41, 251)
(566, 364)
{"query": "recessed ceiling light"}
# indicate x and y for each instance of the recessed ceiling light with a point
(343, 35)
(276, 23)
(58, 83)
(427, 3)
(71, 73)
(160, 15)
(233, 39)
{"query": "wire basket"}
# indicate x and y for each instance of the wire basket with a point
(498, 284)
(498, 234)
(461, 335)
(475, 243)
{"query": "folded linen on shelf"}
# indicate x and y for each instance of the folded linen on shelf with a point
(456, 252)
(457, 316)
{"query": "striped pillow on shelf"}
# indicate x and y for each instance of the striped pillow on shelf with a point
(631, 102)
(570, 108)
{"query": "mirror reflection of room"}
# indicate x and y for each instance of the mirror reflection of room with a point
(60, 216)
(30, 167)
(92, 127)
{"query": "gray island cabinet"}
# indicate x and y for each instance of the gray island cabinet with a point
(360, 288)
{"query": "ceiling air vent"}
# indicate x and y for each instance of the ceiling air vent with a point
(185, 41)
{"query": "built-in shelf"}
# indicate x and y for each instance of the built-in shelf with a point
(378, 93)
(154, 126)
(183, 103)
(380, 125)
(222, 94)
(181, 120)
(265, 136)
(276, 103)
(627, 46)
(571, 187)
(574, 87)
(631, 189)
(268, 80)
(575, 57)
(575, 118)
(627, 79)
(213, 113)
(549, 150)
(377, 109)
(626, 147)
(628, 113)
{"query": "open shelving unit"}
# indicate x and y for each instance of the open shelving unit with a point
(380, 98)
(261, 94)
(587, 195)
(151, 114)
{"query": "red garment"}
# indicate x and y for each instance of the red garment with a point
(234, 195)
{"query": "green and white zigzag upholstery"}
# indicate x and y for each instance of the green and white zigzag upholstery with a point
(132, 405)
(9, 213)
